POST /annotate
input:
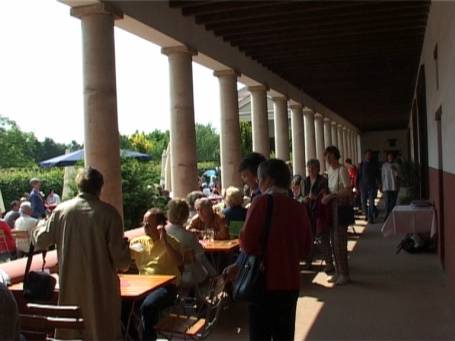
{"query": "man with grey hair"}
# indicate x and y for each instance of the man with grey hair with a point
(90, 250)
(25, 223)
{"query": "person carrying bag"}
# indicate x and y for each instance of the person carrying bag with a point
(38, 285)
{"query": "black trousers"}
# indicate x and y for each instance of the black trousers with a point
(272, 317)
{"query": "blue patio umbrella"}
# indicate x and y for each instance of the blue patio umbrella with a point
(209, 173)
(74, 157)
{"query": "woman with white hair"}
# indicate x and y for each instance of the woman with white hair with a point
(25, 223)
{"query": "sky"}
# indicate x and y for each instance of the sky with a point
(41, 75)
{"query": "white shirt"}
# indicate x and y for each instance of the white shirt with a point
(338, 179)
(53, 199)
(25, 223)
(389, 176)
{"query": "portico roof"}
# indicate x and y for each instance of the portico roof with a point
(359, 58)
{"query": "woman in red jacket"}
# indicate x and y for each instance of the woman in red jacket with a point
(7, 243)
(272, 315)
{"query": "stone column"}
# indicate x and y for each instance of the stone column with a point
(359, 148)
(345, 144)
(319, 129)
(280, 108)
(183, 135)
(348, 144)
(298, 140)
(333, 133)
(356, 149)
(310, 142)
(230, 129)
(340, 140)
(259, 119)
(327, 133)
(351, 137)
(101, 134)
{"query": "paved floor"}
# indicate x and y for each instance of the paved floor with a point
(392, 297)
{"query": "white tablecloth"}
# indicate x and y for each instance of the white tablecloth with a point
(410, 219)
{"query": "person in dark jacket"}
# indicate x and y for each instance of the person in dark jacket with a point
(369, 179)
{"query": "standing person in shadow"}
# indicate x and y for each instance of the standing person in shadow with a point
(272, 312)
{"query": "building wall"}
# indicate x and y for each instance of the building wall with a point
(440, 31)
(381, 141)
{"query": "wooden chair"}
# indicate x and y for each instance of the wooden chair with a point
(19, 234)
(4, 242)
(40, 321)
(195, 321)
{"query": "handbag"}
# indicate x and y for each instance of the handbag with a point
(38, 285)
(250, 282)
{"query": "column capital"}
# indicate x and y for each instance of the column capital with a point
(226, 72)
(344, 128)
(318, 115)
(261, 87)
(340, 126)
(308, 111)
(296, 106)
(96, 9)
(334, 123)
(327, 120)
(178, 49)
(280, 98)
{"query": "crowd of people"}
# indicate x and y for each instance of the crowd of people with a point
(300, 212)
(23, 216)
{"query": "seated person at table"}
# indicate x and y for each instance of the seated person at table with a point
(25, 223)
(234, 210)
(196, 267)
(191, 199)
(206, 218)
(296, 187)
(156, 253)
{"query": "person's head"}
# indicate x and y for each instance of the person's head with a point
(35, 183)
(332, 155)
(14, 205)
(234, 197)
(369, 155)
(273, 172)
(249, 168)
(178, 211)
(296, 185)
(204, 209)
(390, 157)
(51, 192)
(26, 208)
(348, 162)
(192, 197)
(89, 180)
(153, 218)
(313, 167)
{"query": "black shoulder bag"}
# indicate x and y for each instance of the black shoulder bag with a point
(250, 282)
(38, 285)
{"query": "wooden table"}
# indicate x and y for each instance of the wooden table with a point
(132, 287)
(220, 246)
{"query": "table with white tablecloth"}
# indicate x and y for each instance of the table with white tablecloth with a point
(410, 219)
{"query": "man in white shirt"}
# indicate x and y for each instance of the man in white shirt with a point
(25, 223)
(389, 174)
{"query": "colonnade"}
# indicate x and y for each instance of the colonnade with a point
(311, 131)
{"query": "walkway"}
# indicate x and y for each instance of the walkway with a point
(392, 297)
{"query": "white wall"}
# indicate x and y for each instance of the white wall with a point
(441, 31)
(379, 141)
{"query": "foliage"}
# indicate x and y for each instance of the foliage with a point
(15, 182)
(207, 143)
(22, 149)
(152, 143)
(206, 165)
(139, 191)
(246, 142)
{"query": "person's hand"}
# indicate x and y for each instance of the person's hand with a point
(306, 200)
(327, 198)
(230, 272)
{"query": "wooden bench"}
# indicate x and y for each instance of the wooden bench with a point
(40, 321)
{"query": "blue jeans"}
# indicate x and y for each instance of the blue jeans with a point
(153, 304)
(368, 197)
(390, 200)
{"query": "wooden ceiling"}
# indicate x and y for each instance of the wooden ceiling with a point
(359, 58)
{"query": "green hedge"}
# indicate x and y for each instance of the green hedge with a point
(139, 180)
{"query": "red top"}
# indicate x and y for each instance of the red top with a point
(289, 240)
(353, 173)
(9, 244)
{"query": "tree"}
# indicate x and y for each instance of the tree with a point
(246, 142)
(18, 149)
(207, 143)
